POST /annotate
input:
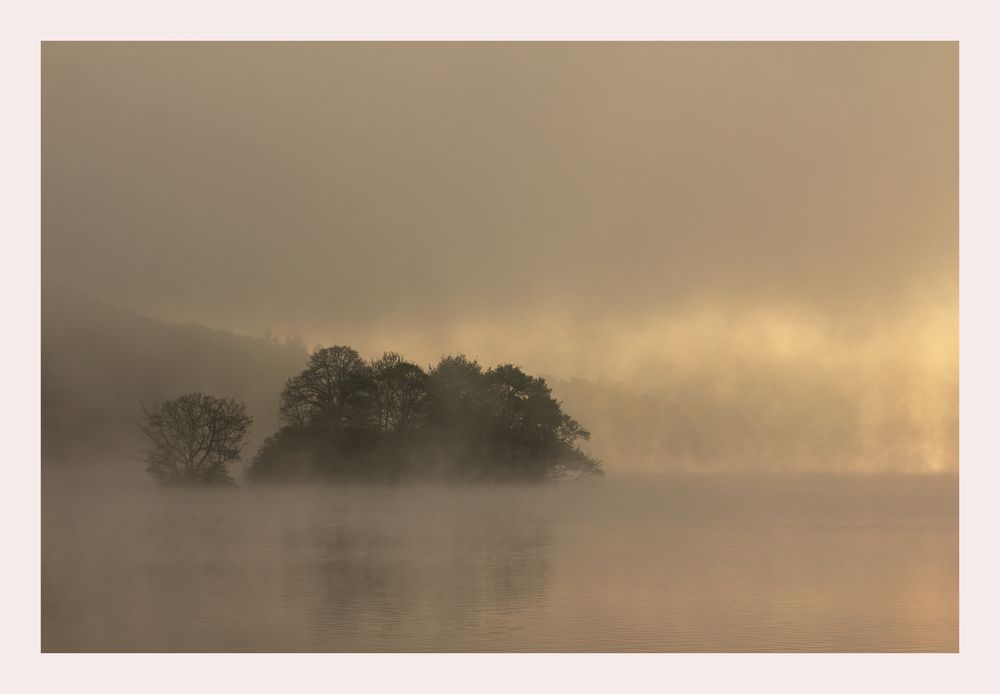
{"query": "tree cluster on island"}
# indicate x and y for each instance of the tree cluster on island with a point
(346, 419)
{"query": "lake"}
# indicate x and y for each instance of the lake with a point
(632, 563)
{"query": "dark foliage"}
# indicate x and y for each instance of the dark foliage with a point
(388, 420)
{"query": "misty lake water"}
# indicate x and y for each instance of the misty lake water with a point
(673, 563)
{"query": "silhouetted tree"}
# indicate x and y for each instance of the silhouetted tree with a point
(457, 392)
(401, 397)
(334, 390)
(529, 427)
(348, 419)
(193, 438)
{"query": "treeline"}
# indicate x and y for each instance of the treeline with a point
(347, 419)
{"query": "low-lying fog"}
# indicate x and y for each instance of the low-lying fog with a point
(735, 263)
(647, 563)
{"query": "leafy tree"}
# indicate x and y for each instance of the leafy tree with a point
(297, 453)
(348, 419)
(457, 392)
(529, 426)
(194, 438)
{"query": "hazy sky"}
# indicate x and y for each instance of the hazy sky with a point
(694, 216)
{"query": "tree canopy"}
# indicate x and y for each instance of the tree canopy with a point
(345, 418)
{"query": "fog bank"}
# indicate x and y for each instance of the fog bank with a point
(761, 237)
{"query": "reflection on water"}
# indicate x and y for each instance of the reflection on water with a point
(668, 564)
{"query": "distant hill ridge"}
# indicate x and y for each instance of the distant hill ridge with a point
(101, 362)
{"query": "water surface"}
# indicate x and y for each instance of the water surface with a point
(676, 563)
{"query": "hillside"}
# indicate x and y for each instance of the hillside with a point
(100, 363)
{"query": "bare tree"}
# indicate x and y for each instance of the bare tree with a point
(333, 390)
(193, 438)
(400, 393)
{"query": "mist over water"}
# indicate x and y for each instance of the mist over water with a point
(734, 264)
(632, 563)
